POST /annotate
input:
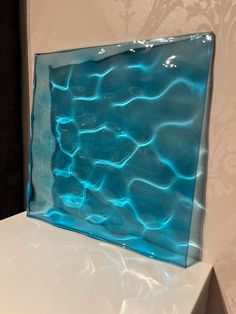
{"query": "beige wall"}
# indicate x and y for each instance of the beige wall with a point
(58, 24)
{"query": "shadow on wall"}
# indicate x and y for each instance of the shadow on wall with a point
(24, 93)
(216, 303)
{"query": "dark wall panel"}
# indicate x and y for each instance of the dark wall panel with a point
(11, 180)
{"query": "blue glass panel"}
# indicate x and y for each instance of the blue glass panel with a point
(118, 143)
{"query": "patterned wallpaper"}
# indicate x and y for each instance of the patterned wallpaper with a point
(92, 22)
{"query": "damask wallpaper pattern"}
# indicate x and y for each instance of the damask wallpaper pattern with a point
(82, 23)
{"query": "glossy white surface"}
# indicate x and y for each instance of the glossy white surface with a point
(47, 270)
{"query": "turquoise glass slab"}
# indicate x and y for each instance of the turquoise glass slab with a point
(119, 143)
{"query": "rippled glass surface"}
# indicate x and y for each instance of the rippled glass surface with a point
(118, 143)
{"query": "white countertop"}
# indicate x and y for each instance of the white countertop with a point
(47, 270)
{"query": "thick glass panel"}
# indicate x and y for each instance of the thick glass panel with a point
(118, 143)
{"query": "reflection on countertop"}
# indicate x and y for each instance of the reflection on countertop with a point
(44, 269)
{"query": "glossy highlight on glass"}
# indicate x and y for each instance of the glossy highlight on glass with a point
(119, 143)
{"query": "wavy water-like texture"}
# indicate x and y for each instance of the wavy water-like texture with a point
(118, 143)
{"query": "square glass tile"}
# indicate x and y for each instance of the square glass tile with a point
(118, 143)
